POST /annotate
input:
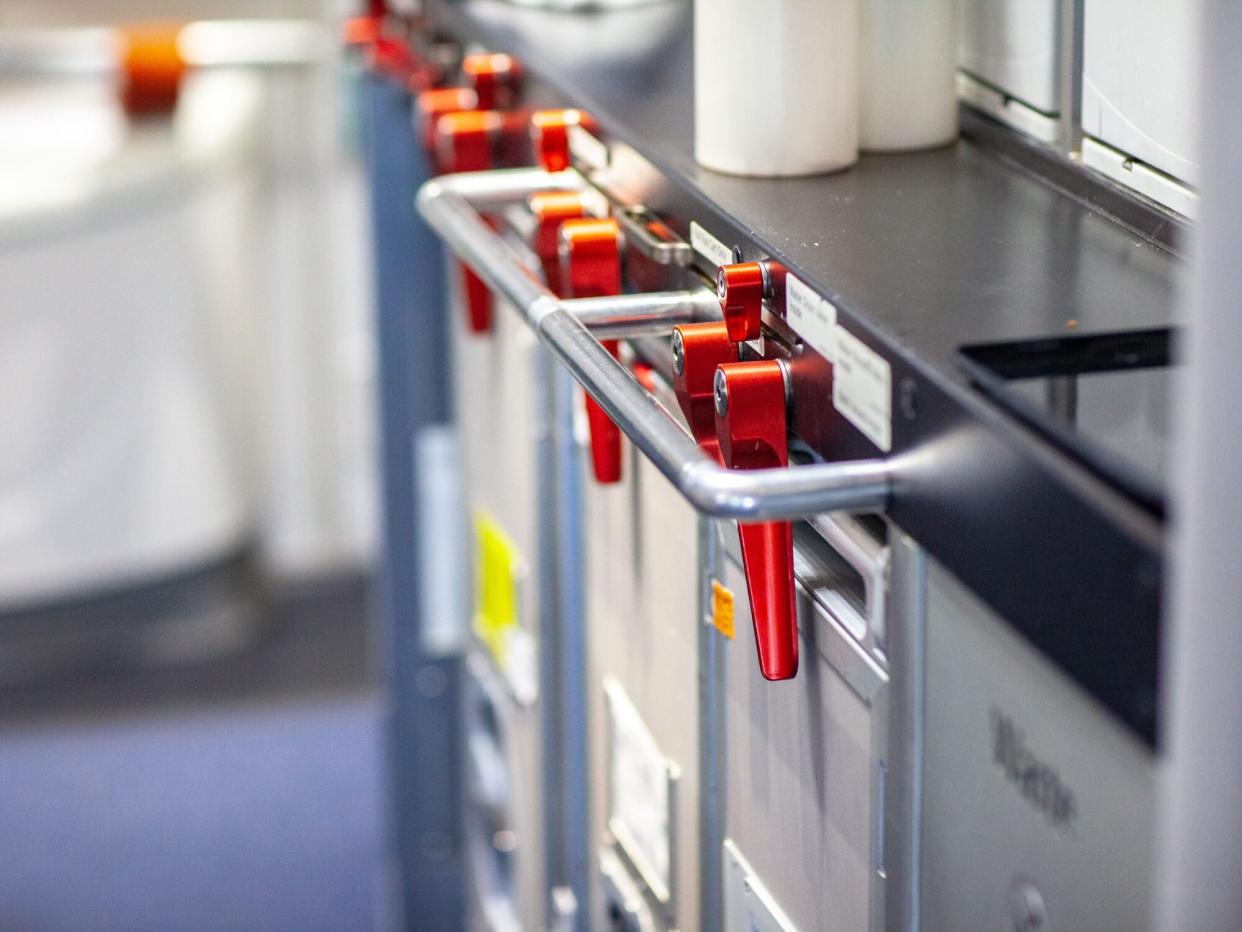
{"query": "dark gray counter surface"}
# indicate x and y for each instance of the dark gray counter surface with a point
(933, 249)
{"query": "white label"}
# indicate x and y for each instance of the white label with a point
(640, 798)
(813, 317)
(587, 149)
(710, 248)
(862, 389)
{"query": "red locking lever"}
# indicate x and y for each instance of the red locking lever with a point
(697, 350)
(495, 77)
(465, 139)
(741, 288)
(463, 129)
(549, 132)
(439, 102)
(551, 209)
(750, 426)
(361, 31)
(464, 142)
(591, 267)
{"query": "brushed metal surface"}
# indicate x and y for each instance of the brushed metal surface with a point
(802, 755)
(642, 572)
(996, 820)
(496, 409)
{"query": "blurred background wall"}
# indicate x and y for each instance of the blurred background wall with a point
(189, 727)
(189, 353)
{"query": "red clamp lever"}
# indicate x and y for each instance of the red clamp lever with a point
(361, 31)
(551, 209)
(549, 134)
(464, 141)
(741, 288)
(750, 426)
(590, 253)
(495, 77)
(697, 350)
(436, 103)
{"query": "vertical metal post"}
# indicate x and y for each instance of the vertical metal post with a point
(711, 702)
(1069, 75)
(550, 673)
(562, 652)
(903, 805)
(572, 754)
(1200, 844)
(424, 701)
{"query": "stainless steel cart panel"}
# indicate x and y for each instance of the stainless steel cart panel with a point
(806, 760)
(500, 413)
(1037, 804)
(642, 605)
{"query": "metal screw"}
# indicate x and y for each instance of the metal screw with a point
(721, 387)
(720, 283)
(679, 353)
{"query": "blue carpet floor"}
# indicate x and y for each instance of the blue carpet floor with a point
(226, 818)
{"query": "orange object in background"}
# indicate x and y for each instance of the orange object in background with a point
(151, 68)
(360, 31)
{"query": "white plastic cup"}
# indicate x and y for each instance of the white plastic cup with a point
(908, 74)
(776, 86)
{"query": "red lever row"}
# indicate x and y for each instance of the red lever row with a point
(464, 128)
(736, 410)
(737, 413)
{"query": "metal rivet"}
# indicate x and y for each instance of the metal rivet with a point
(721, 386)
(679, 353)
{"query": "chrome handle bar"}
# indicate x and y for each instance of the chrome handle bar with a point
(451, 204)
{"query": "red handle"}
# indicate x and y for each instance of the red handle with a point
(549, 132)
(740, 288)
(605, 435)
(464, 142)
(495, 77)
(591, 267)
(752, 432)
(698, 349)
(551, 209)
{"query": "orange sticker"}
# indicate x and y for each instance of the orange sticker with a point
(722, 609)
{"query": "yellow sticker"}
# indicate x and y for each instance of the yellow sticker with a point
(722, 609)
(498, 568)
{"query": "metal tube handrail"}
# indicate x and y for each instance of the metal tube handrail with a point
(451, 205)
(654, 313)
